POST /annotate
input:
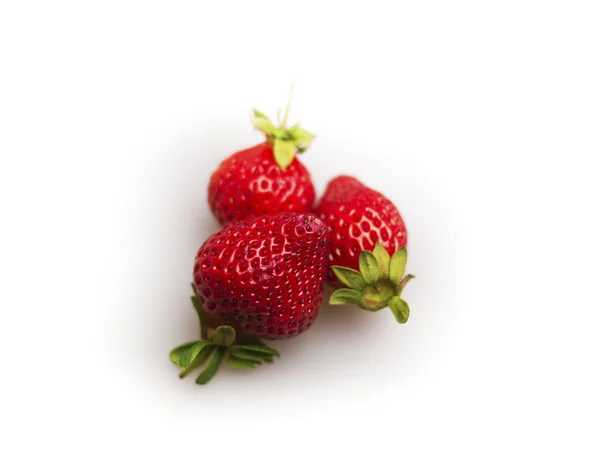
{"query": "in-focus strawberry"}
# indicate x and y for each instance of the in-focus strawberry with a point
(266, 178)
(368, 253)
(261, 277)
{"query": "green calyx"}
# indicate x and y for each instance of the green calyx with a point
(223, 346)
(286, 142)
(379, 283)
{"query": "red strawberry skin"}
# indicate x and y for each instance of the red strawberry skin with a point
(264, 276)
(358, 217)
(250, 183)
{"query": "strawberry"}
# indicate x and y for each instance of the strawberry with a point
(266, 178)
(261, 277)
(368, 234)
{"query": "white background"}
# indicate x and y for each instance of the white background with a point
(480, 120)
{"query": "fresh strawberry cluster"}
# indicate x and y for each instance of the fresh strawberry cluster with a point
(262, 275)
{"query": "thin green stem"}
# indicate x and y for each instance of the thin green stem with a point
(287, 108)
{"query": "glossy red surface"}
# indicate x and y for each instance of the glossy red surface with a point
(358, 217)
(264, 276)
(250, 183)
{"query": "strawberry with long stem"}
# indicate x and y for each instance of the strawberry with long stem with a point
(267, 178)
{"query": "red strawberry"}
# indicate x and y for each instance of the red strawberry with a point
(261, 277)
(251, 183)
(361, 219)
(266, 178)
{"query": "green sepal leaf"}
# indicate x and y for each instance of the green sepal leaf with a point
(240, 364)
(278, 133)
(270, 348)
(286, 141)
(264, 125)
(345, 297)
(213, 366)
(259, 348)
(175, 354)
(246, 355)
(195, 299)
(188, 355)
(198, 361)
(383, 260)
(224, 335)
(400, 309)
(259, 115)
(405, 280)
(185, 353)
(300, 136)
(368, 267)
(201, 313)
(253, 340)
(268, 359)
(284, 152)
(351, 278)
(398, 265)
(262, 122)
